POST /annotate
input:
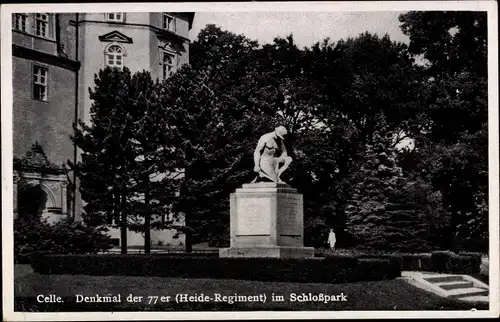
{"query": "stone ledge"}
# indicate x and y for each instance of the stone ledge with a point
(260, 187)
(273, 251)
(265, 185)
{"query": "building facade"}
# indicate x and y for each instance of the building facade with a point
(55, 59)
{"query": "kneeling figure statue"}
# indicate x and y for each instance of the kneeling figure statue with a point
(270, 156)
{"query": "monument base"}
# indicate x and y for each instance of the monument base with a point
(271, 251)
(266, 221)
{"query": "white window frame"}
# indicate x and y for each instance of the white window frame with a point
(165, 65)
(42, 19)
(17, 23)
(115, 16)
(108, 54)
(171, 22)
(40, 80)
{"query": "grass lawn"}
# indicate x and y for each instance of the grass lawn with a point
(381, 295)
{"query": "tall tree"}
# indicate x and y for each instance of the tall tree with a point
(152, 182)
(450, 41)
(106, 151)
(388, 210)
(451, 141)
(215, 131)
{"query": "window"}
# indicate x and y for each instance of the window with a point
(20, 20)
(40, 83)
(114, 56)
(41, 24)
(168, 64)
(168, 22)
(115, 16)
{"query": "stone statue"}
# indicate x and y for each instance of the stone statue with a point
(270, 156)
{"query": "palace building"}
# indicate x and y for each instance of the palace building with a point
(55, 59)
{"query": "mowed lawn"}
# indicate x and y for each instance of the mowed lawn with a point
(380, 295)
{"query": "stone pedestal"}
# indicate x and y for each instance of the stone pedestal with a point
(267, 221)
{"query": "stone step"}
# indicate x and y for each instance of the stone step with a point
(466, 292)
(443, 278)
(475, 298)
(455, 285)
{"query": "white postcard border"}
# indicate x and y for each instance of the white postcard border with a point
(7, 179)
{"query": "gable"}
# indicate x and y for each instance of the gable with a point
(167, 41)
(115, 36)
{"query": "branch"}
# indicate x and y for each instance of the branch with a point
(400, 138)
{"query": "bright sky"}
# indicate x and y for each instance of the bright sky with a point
(307, 27)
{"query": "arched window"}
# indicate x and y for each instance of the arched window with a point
(114, 56)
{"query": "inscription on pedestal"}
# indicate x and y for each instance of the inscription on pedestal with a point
(290, 216)
(266, 221)
(254, 216)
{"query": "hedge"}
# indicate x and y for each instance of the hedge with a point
(449, 262)
(437, 261)
(372, 269)
(34, 234)
(332, 269)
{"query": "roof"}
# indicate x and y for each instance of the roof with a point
(191, 18)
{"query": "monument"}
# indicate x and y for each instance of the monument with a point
(267, 218)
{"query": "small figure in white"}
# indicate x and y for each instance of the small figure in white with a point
(331, 239)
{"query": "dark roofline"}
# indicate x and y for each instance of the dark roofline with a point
(191, 18)
(60, 61)
(189, 15)
(104, 37)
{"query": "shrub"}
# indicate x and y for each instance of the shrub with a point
(375, 269)
(449, 262)
(438, 261)
(316, 232)
(64, 237)
(465, 264)
(416, 262)
(334, 269)
(476, 255)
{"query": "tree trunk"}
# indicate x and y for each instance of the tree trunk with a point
(187, 233)
(147, 225)
(123, 227)
(188, 237)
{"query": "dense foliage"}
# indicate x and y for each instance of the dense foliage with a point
(332, 269)
(451, 139)
(64, 237)
(389, 211)
(389, 141)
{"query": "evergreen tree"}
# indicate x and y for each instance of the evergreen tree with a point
(153, 184)
(107, 154)
(386, 211)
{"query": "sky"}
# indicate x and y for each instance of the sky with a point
(306, 27)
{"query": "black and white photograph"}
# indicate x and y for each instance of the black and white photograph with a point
(250, 160)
